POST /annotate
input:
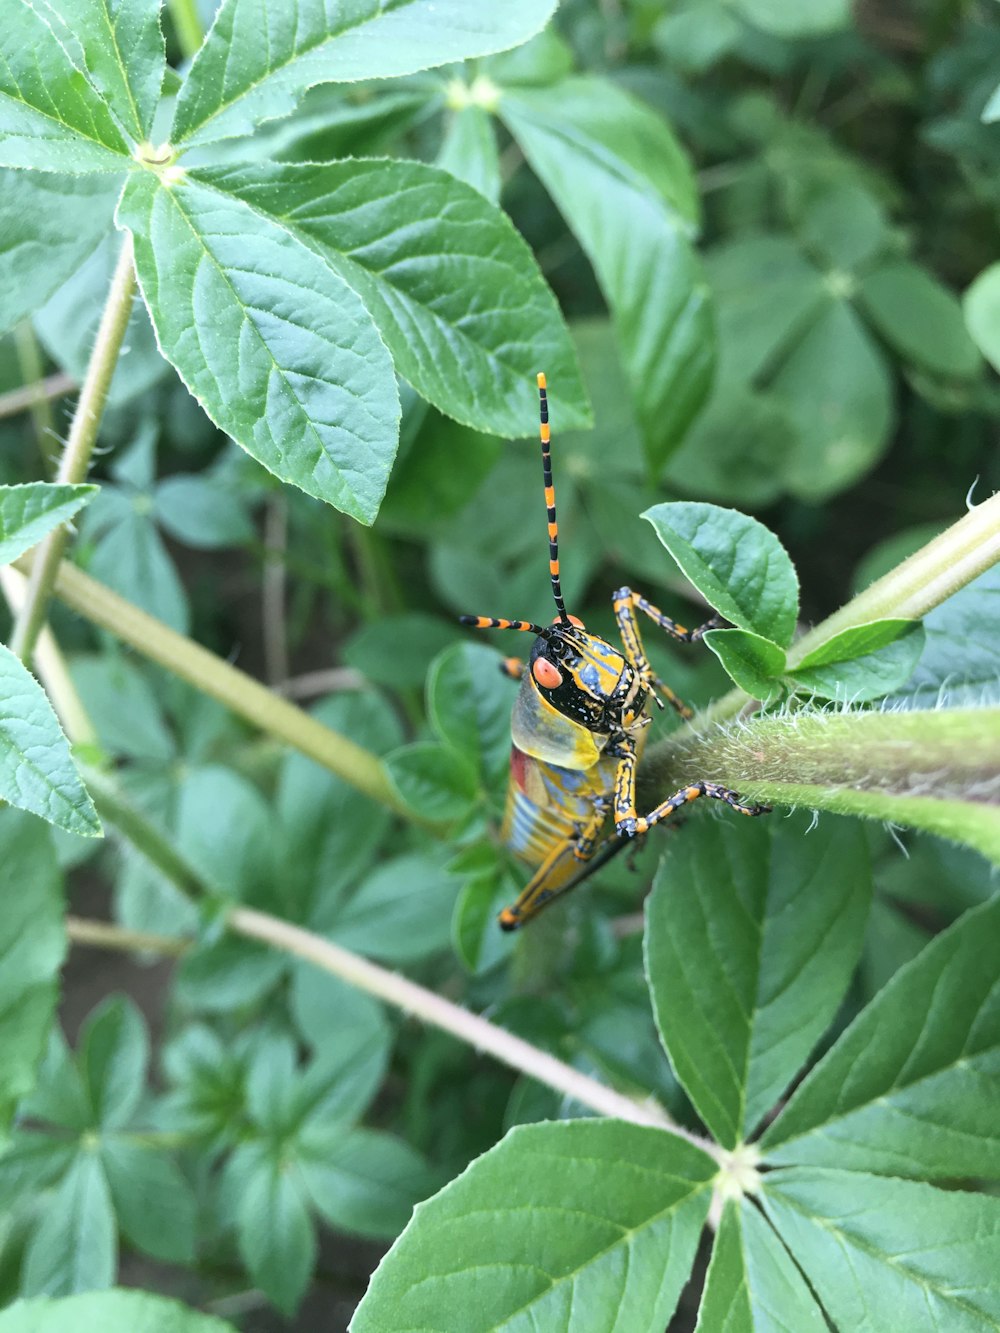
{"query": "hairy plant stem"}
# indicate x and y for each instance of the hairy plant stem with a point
(232, 687)
(76, 456)
(928, 577)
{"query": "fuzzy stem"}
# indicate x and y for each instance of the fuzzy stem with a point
(106, 935)
(79, 447)
(440, 1013)
(933, 770)
(232, 687)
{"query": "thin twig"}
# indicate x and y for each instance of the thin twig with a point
(76, 456)
(311, 684)
(20, 400)
(106, 935)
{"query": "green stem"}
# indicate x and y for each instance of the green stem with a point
(187, 25)
(935, 770)
(105, 935)
(931, 575)
(232, 687)
(30, 363)
(79, 447)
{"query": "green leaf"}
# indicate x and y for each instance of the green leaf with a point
(28, 512)
(39, 249)
(920, 319)
(276, 1236)
(435, 781)
(153, 1202)
(32, 947)
(237, 80)
(737, 565)
(119, 44)
(836, 385)
(909, 1087)
(808, 18)
(114, 1053)
(918, 1257)
(122, 703)
(469, 703)
(981, 304)
(862, 663)
(397, 650)
(960, 663)
(36, 770)
(348, 1031)
(470, 344)
(52, 116)
(202, 512)
(111, 1312)
(131, 558)
(604, 156)
(74, 1246)
(766, 293)
(753, 930)
(844, 224)
(361, 1180)
(401, 912)
(752, 662)
(286, 360)
(469, 151)
(585, 1226)
(753, 1284)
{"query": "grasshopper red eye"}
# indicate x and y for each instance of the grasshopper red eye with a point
(546, 674)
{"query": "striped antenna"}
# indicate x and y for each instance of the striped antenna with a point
(550, 500)
(491, 622)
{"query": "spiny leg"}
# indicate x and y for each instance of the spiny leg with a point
(564, 868)
(626, 603)
(630, 824)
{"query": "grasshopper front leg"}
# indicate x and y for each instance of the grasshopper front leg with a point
(626, 604)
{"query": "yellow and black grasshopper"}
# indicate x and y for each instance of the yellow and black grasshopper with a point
(577, 734)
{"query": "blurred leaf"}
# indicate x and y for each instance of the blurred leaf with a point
(836, 385)
(907, 1089)
(753, 933)
(382, 227)
(474, 934)
(361, 1180)
(30, 511)
(960, 662)
(224, 830)
(469, 703)
(469, 151)
(348, 1031)
(131, 558)
(738, 566)
(752, 662)
(920, 319)
(313, 399)
(982, 311)
(807, 18)
(236, 81)
(401, 911)
(604, 156)
(202, 512)
(52, 117)
(153, 1203)
(113, 1055)
(753, 1283)
(38, 250)
(844, 225)
(435, 781)
(123, 706)
(32, 947)
(111, 1312)
(397, 651)
(640, 1198)
(918, 1256)
(276, 1235)
(697, 36)
(37, 772)
(862, 663)
(74, 1246)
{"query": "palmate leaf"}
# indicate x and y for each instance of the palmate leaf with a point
(238, 80)
(910, 1087)
(753, 931)
(882, 1253)
(605, 157)
(280, 352)
(454, 290)
(52, 117)
(585, 1226)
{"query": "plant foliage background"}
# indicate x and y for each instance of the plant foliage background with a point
(754, 248)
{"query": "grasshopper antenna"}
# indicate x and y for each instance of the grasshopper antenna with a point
(550, 499)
